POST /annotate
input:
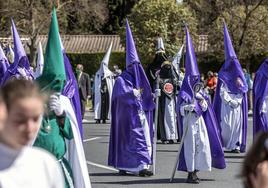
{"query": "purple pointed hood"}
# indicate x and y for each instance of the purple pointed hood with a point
(20, 58)
(192, 75)
(71, 89)
(20, 67)
(3, 63)
(134, 68)
(231, 69)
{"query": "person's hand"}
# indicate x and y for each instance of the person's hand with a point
(233, 103)
(55, 105)
(157, 92)
(136, 92)
(260, 180)
(189, 107)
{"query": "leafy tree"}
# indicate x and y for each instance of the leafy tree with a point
(246, 20)
(32, 17)
(152, 18)
(248, 27)
(118, 10)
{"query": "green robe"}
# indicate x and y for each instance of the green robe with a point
(51, 137)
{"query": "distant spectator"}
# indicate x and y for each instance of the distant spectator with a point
(255, 168)
(117, 71)
(211, 84)
(250, 87)
(92, 92)
(83, 81)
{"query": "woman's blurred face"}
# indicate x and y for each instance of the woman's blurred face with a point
(23, 122)
(3, 115)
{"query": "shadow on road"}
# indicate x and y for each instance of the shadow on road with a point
(234, 157)
(149, 181)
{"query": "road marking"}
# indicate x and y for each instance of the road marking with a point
(102, 166)
(90, 139)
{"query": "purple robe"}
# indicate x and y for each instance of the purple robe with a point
(128, 148)
(3, 66)
(71, 91)
(260, 91)
(228, 74)
(186, 94)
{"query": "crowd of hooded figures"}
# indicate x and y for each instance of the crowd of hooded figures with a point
(165, 102)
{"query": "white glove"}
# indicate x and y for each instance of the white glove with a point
(204, 105)
(189, 107)
(233, 103)
(55, 105)
(137, 93)
(157, 92)
(22, 72)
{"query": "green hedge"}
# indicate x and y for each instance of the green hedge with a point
(91, 62)
(206, 62)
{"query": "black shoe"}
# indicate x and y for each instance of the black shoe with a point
(195, 175)
(170, 142)
(191, 178)
(103, 121)
(235, 151)
(145, 172)
(164, 141)
(178, 141)
(122, 172)
(98, 121)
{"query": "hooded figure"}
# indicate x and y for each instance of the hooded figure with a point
(40, 62)
(59, 132)
(176, 64)
(131, 136)
(230, 100)
(103, 83)
(71, 89)
(155, 66)
(3, 63)
(168, 83)
(20, 68)
(260, 99)
(202, 147)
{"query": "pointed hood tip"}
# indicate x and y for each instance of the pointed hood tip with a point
(228, 46)
(131, 52)
(190, 64)
(106, 58)
(53, 61)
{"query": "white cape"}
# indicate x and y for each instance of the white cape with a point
(75, 154)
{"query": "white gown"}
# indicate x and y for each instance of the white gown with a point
(170, 120)
(231, 118)
(29, 168)
(196, 144)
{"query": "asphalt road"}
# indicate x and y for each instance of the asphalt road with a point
(96, 143)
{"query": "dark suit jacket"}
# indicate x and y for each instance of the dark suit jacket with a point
(84, 86)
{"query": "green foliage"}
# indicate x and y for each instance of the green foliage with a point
(118, 10)
(152, 18)
(91, 62)
(249, 33)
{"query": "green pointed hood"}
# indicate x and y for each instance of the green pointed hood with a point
(53, 77)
